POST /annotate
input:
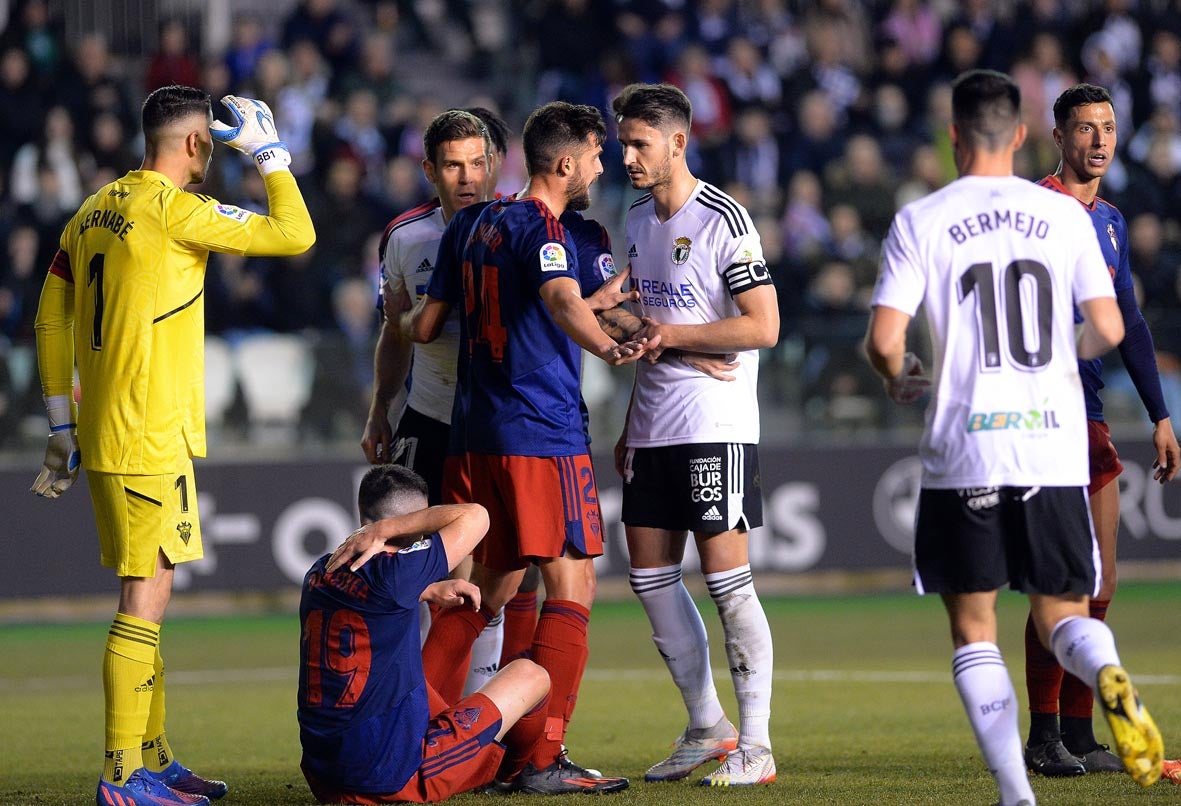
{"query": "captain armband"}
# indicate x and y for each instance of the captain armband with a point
(745, 276)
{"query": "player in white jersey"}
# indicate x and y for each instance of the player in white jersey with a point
(460, 165)
(457, 150)
(996, 262)
(688, 454)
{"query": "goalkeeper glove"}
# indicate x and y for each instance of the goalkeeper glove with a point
(62, 457)
(254, 135)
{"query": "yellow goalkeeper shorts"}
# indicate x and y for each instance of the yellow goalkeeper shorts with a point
(139, 516)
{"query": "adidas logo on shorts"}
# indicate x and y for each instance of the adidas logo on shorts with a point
(712, 514)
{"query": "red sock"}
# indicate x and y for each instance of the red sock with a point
(520, 622)
(447, 653)
(521, 739)
(559, 646)
(1043, 675)
(1077, 698)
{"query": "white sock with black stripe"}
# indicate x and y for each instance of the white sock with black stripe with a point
(991, 705)
(679, 635)
(748, 650)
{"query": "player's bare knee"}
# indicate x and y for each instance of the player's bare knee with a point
(969, 627)
(571, 578)
(591, 586)
(496, 587)
(530, 676)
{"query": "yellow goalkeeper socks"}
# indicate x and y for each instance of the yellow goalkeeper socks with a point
(157, 755)
(156, 752)
(129, 672)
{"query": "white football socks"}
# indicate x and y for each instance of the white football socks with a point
(1083, 646)
(748, 650)
(991, 704)
(485, 654)
(679, 635)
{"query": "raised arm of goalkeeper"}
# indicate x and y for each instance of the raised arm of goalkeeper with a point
(179, 149)
(287, 229)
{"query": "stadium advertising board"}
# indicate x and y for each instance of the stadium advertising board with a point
(263, 524)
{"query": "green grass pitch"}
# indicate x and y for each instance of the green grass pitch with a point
(864, 709)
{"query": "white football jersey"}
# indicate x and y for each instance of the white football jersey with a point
(997, 264)
(688, 271)
(407, 265)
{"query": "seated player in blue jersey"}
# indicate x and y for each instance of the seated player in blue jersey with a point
(372, 730)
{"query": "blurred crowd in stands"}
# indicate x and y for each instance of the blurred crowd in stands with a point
(821, 116)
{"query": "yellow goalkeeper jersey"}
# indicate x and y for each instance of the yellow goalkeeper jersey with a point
(133, 261)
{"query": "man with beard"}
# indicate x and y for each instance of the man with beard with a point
(518, 437)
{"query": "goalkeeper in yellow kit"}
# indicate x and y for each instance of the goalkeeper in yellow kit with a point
(124, 300)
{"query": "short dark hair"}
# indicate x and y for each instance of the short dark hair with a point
(661, 106)
(1078, 95)
(389, 490)
(498, 130)
(986, 108)
(170, 104)
(454, 124)
(555, 128)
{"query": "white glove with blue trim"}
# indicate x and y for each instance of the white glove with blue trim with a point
(254, 134)
(62, 456)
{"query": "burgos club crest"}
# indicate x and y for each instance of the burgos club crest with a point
(681, 247)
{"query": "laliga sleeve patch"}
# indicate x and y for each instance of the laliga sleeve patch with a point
(417, 545)
(553, 257)
(236, 213)
(606, 265)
